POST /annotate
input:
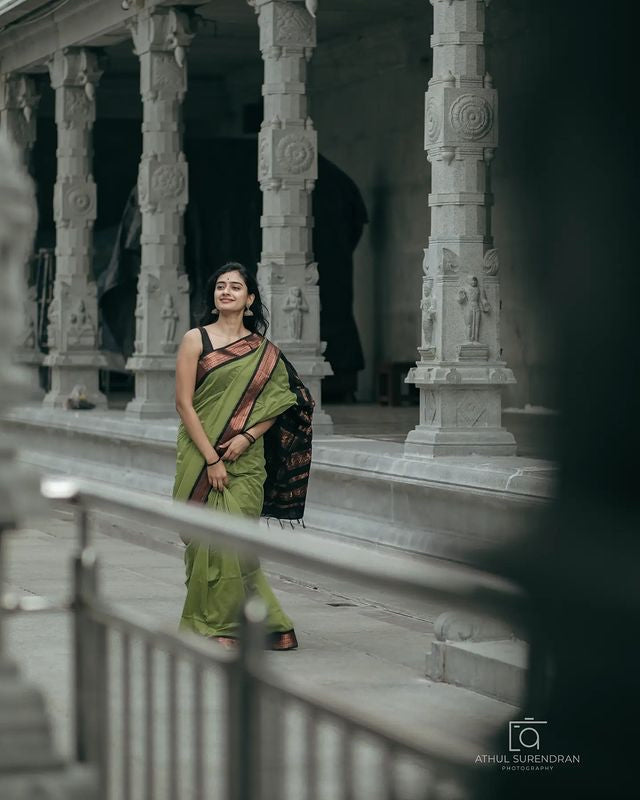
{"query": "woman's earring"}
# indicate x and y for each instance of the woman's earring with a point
(248, 312)
(214, 311)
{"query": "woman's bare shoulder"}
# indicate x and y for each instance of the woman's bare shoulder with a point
(192, 340)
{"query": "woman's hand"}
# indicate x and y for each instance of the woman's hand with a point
(217, 475)
(235, 447)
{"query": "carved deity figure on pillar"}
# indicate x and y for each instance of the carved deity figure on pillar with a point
(295, 306)
(82, 332)
(474, 299)
(139, 315)
(428, 307)
(170, 319)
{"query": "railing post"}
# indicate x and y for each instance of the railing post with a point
(84, 590)
(243, 729)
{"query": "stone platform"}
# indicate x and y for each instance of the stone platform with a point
(363, 489)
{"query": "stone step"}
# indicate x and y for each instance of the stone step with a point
(496, 669)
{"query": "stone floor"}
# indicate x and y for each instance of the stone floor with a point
(363, 646)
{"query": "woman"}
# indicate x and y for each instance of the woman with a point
(244, 447)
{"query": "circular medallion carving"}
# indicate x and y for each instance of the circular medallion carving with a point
(433, 120)
(168, 181)
(79, 200)
(295, 153)
(471, 116)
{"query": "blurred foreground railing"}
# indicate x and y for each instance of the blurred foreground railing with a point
(163, 715)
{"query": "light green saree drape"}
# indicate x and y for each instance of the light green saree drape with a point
(226, 400)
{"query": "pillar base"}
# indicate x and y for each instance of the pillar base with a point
(70, 370)
(30, 362)
(141, 408)
(311, 368)
(430, 442)
(155, 394)
(322, 423)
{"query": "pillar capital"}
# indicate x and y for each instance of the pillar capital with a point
(78, 67)
(286, 25)
(19, 101)
(161, 29)
(18, 93)
(161, 37)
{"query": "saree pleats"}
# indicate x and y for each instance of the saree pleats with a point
(237, 387)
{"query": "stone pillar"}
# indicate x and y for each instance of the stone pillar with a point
(460, 372)
(287, 171)
(161, 37)
(72, 332)
(18, 104)
(29, 764)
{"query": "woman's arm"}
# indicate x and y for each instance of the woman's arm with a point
(235, 447)
(186, 367)
(261, 428)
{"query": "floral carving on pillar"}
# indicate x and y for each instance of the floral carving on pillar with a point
(293, 25)
(295, 153)
(471, 116)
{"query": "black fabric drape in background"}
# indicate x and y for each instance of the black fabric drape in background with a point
(222, 223)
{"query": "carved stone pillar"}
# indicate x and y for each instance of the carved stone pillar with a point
(161, 37)
(460, 372)
(18, 104)
(287, 171)
(72, 332)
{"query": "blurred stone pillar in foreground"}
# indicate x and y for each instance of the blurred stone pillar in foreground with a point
(18, 105)
(73, 356)
(29, 765)
(460, 372)
(287, 171)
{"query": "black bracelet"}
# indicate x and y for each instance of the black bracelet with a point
(248, 436)
(214, 463)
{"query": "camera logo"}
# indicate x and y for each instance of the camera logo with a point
(524, 734)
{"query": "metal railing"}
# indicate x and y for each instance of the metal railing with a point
(165, 715)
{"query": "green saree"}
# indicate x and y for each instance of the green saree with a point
(238, 386)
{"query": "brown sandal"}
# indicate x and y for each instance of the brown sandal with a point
(282, 641)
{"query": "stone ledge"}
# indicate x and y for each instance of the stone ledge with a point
(362, 490)
(496, 669)
(523, 476)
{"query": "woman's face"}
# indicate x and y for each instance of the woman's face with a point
(231, 293)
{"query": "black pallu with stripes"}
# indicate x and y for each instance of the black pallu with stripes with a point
(287, 451)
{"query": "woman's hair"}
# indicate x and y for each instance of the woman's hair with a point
(258, 323)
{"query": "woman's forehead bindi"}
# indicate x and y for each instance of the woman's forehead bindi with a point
(231, 277)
